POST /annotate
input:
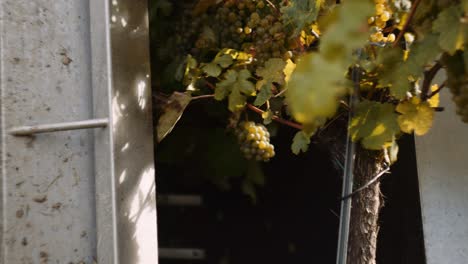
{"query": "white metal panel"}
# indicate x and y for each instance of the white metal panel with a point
(442, 157)
(47, 180)
(125, 180)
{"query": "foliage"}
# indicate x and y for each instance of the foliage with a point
(298, 62)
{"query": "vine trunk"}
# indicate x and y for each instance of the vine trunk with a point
(366, 205)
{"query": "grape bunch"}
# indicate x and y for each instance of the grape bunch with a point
(383, 14)
(252, 26)
(254, 140)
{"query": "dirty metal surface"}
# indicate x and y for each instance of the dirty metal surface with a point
(47, 183)
(80, 196)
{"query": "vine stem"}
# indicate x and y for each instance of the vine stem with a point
(276, 118)
(408, 21)
(203, 96)
(428, 76)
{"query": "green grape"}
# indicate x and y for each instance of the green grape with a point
(254, 141)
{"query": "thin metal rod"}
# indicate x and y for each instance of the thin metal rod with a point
(31, 130)
(179, 200)
(181, 253)
(348, 175)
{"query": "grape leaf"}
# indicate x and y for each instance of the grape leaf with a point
(224, 87)
(314, 88)
(396, 72)
(415, 116)
(375, 124)
(245, 86)
(300, 13)
(288, 70)
(263, 96)
(172, 112)
(273, 71)
(452, 32)
(224, 60)
(237, 86)
(300, 143)
(318, 81)
(212, 69)
(236, 100)
(348, 32)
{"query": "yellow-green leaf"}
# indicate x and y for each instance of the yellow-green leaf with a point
(435, 99)
(375, 124)
(349, 31)
(415, 116)
(288, 70)
(300, 143)
(314, 89)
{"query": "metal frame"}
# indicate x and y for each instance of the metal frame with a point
(125, 183)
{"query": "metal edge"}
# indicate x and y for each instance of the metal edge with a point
(106, 220)
(2, 141)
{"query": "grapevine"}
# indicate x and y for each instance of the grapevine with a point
(292, 62)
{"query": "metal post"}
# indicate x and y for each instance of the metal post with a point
(345, 212)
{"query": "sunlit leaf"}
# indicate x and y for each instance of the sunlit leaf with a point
(300, 143)
(435, 99)
(375, 124)
(314, 88)
(415, 116)
(288, 70)
(348, 32)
